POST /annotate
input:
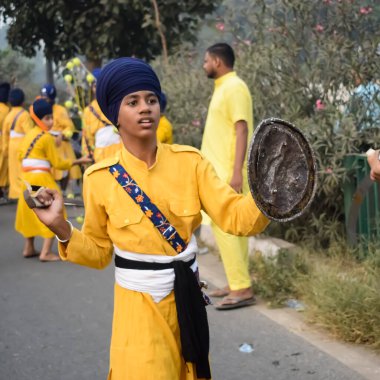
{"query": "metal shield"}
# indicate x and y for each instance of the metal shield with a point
(281, 170)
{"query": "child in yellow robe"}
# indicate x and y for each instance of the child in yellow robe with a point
(165, 129)
(148, 338)
(38, 155)
(4, 109)
(98, 133)
(16, 125)
(63, 129)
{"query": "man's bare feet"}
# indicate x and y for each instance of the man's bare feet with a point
(241, 293)
(29, 254)
(236, 299)
(49, 257)
(220, 292)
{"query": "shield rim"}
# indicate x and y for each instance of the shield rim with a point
(312, 176)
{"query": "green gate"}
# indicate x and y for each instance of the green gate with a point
(361, 201)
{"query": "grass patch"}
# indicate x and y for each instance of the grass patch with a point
(276, 278)
(342, 294)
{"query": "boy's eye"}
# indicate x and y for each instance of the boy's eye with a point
(132, 103)
(152, 101)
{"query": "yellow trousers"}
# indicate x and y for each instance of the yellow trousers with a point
(234, 253)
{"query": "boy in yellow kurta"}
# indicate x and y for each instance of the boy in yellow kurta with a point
(98, 133)
(165, 129)
(63, 129)
(4, 109)
(38, 155)
(16, 125)
(155, 325)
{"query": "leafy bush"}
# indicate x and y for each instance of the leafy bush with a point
(301, 60)
(275, 278)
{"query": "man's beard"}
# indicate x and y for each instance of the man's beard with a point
(211, 74)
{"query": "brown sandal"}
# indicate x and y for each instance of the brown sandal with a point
(229, 303)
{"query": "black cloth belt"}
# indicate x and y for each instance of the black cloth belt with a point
(191, 310)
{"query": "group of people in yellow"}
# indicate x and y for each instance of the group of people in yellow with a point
(35, 146)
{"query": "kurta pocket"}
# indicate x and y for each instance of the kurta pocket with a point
(185, 207)
(120, 220)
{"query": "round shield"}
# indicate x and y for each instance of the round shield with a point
(281, 170)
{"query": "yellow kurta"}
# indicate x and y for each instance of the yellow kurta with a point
(11, 146)
(145, 340)
(165, 131)
(27, 223)
(91, 125)
(4, 109)
(63, 124)
(230, 103)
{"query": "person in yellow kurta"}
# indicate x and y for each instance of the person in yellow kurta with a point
(160, 328)
(4, 109)
(63, 129)
(165, 129)
(16, 125)
(38, 155)
(98, 134)
(229, 126)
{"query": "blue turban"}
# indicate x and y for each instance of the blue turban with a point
(163, 102)
(49, 91)
(4, 92)
(96, 72)
(16, 97)
(42, 108)
(121, 77)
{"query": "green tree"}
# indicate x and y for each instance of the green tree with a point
(16, 69)
(101, 29)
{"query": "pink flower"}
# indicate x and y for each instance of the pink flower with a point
(328, 2)
(196, 123)
(319, 105)
(319, 28)
(329, 170)
(365, 10)
(220, 26)
(247, 42)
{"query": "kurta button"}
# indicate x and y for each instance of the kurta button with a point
(126, 221)
(185, 211)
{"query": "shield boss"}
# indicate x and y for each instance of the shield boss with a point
(281, 170)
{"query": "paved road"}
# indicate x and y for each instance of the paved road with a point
(55, 324)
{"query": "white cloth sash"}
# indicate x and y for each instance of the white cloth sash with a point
(158, 283)
(106, 136)
(35, 163)
(14, 134)
(55, 133)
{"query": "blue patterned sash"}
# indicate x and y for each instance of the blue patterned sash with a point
(31, 146)
(167, 230)
(15, 119)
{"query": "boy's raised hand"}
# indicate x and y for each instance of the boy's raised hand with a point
(52, 214)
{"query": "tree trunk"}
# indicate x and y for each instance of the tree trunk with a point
(160, 31)
(49, 71)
